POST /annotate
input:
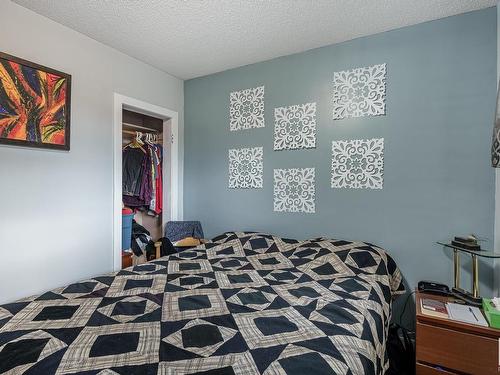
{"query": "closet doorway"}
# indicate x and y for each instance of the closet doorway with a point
(134, 119)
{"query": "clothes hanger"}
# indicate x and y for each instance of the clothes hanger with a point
(152, 139)
(130, 144)
(138, 143)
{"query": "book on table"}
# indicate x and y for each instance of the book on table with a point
(434, 307)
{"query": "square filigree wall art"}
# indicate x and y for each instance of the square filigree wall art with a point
(246, 168)
(358, 164)
(246, 109)
(294, 190)
(359, 92)
(295, 127)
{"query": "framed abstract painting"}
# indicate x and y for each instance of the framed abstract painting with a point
(35, 104)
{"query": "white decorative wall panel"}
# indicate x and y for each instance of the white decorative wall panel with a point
(359, 92)
(295, 127)
(358, 164)
(246, 109)
(294, 190)
(246, 168)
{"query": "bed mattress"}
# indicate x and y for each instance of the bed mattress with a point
(243, 303)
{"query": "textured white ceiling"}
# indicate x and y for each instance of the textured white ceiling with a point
(191, 38)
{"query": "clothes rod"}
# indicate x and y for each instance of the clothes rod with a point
(134, 132)
(139, 127)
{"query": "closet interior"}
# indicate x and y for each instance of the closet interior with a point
(143, 185)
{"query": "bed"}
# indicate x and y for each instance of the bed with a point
(243, 303)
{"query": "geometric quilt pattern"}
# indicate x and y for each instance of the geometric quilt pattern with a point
(359, 92)
(253, 298)
(270, 261)
(294, 356)
(129, 308)
(358, 164)
(95, 348)
(53, 314)
(190, 266)
(200, 337)
(192, 304)
(239, 279)
(129, 285)
(276, 327)
(232, 363)
(303, 294)
(190, 281)
(22, 353)
(243, 303)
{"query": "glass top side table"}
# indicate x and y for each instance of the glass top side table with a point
(470, 297)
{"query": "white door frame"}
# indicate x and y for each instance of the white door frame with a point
(171, 196)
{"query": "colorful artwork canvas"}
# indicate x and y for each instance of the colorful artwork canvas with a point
(34, 104)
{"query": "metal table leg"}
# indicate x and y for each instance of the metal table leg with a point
(456, 269)
(475, 276)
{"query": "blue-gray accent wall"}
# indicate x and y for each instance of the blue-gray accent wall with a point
(441, 89)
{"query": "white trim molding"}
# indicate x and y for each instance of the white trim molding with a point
(496, 225)
(496, 235)
(171, 196)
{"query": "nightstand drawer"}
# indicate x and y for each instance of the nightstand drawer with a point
(428, 370)
(457, 350)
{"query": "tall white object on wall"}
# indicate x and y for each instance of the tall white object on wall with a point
(497, 183)
(246, 168)
(358, 164)
(294, 190)
(359, 92)
(295, 127)
(246, 109)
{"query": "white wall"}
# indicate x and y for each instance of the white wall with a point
(496, 274)
(56, 207)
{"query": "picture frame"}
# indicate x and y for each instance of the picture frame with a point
(35, 105)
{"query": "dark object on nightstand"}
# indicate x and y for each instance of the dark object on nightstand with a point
(467, 246)
(432, 287)
(470, 242)
(471, 297)
(446, 346)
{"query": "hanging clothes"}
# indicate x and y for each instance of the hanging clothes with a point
(154, 172)
(159, 193)
(134, 160)
(142, 177)
(157, 202)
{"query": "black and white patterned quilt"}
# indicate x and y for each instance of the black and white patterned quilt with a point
(244, 303)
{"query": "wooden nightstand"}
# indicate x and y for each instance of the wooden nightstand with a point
(448, 347)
